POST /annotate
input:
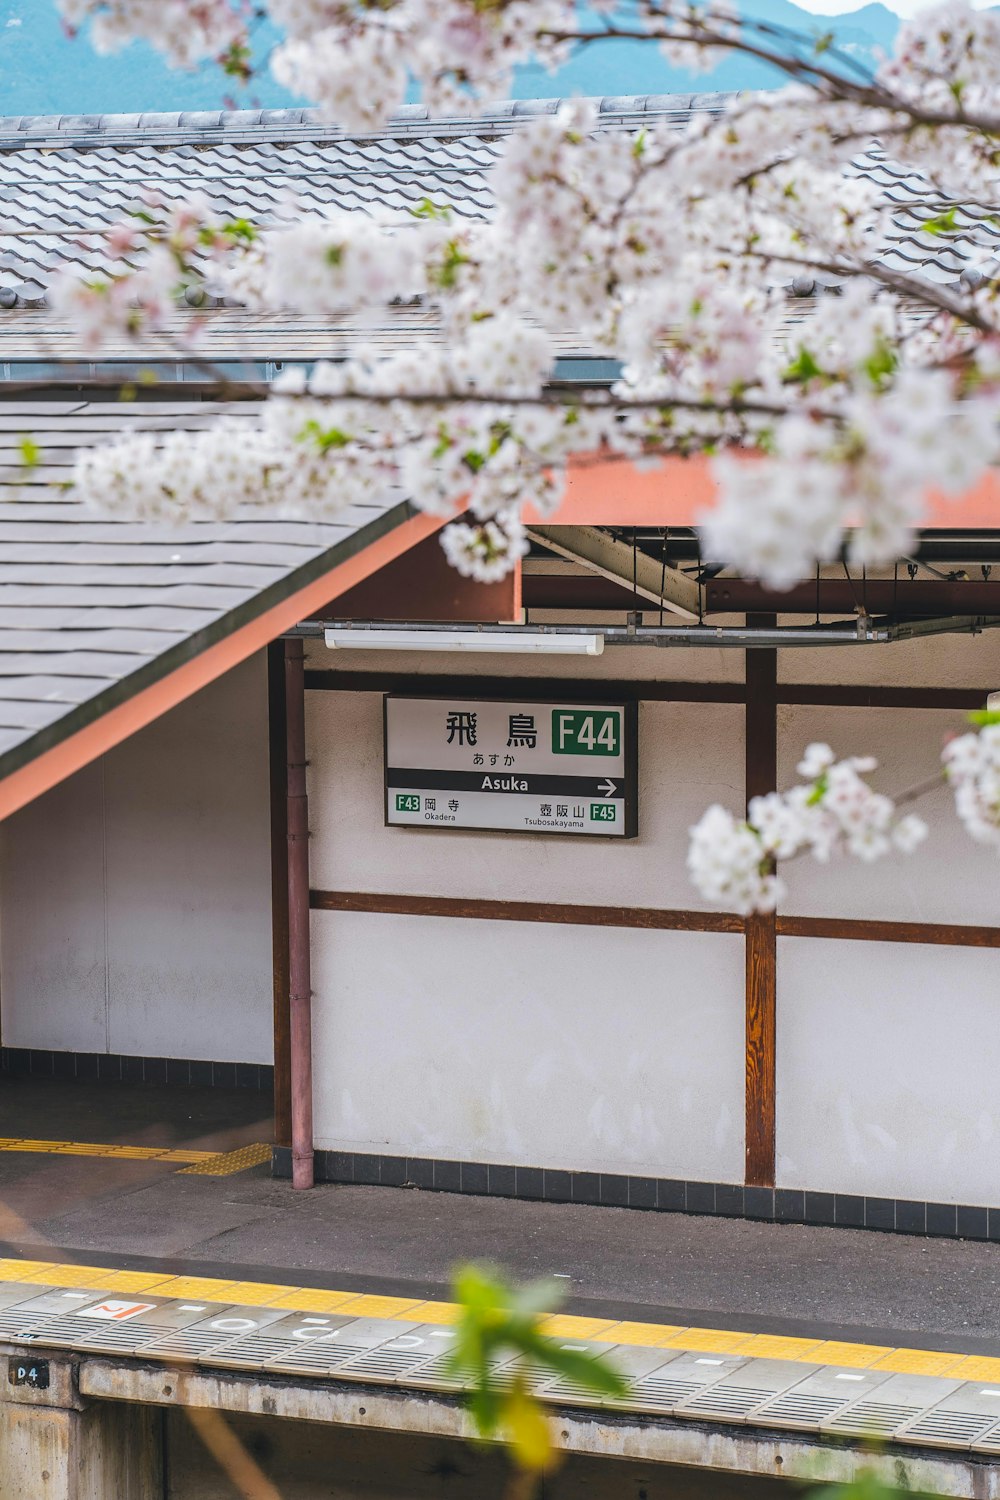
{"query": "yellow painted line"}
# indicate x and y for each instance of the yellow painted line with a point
(226, 1163)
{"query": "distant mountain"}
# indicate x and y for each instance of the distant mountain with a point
(43, 71)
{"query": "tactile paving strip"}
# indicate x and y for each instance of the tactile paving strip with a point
(935, 1411)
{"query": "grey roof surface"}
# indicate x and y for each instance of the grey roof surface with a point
(93, 610)
(64, 179)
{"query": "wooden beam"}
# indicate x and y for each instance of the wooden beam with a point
(277, 761)
(761, 961)
(527, 911)
(645, 690)
(549, 689)
(826, 695)
(945, 934)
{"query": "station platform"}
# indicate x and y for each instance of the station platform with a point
(147, 1230)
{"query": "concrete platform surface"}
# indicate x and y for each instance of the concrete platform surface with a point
(729, 1274)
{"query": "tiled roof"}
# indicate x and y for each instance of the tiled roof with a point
(94, 610)
(63, 179)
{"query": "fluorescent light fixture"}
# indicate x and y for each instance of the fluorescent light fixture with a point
(509, 642)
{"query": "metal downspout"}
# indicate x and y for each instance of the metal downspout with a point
(299, 965)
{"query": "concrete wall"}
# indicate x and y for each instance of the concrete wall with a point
(135, 897)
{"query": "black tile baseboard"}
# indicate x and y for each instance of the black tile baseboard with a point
(659, 1194)
(111, 1067)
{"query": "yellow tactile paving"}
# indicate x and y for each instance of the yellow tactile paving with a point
(20, 1270)
(182, 1154)
(565, 1326)
(211, 1288)
(379, 1307)
(707, 1340)
(258, 1293)
(435, 1312)
(305, 1300)
(777, 1346)
(132, 1281)
(976, 1367)
(228, 1163)
(917, 1362)
(649, 1335)
(854, 1356)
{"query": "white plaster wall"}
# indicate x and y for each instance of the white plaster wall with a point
(689, 755)
(53, 964)
(136, 896)
(950, 660)
(595, 1049)
(888, 1070)
(950, 878)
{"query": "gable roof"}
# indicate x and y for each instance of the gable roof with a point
(96, 612)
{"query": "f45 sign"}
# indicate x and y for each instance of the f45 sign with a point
(585, 731)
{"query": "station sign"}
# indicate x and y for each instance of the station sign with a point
(517, 765)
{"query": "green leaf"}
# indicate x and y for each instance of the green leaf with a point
(428, 209)
(30, 452)
(803, 367)
(324, 438)
(941, 223)
(984, 717)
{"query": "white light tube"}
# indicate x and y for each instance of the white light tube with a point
(511, 642)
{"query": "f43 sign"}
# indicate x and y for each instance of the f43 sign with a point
(515, 764)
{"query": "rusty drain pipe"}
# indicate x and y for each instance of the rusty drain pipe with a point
(299, 966)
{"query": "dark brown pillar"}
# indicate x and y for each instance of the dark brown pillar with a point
(299, 967)
(761, 956)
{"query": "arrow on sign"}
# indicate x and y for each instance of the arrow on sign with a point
(607, 787)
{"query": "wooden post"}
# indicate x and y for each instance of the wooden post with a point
(299, 953)
(278, 767)
(761, 957)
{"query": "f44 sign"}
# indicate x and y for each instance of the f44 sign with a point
(512, 764)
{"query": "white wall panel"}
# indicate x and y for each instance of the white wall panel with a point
(136, 896)
(53, 969)
(948, 660)
(189, 879)
(588, 1048)
(950, 878)
(888, 1070)
(689, 755)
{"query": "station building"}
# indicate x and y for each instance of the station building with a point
(494, 996)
